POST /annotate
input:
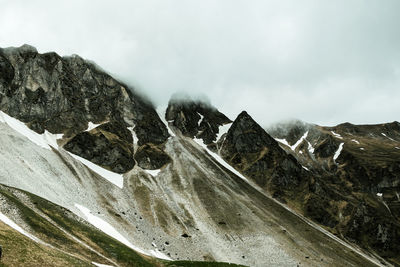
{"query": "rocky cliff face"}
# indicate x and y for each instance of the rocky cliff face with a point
(196, 119)
(64, 94)
(355, 185)
(108, 145)
(256, 154)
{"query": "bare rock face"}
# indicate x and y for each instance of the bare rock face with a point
(196, 119)
(255, 153)
(151, 157)
(356, 195)
(109, 145)
(62, 94)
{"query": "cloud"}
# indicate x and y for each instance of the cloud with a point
(321, 61)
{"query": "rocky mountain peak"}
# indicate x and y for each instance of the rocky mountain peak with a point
(64, 94)
(196, 119)
(252, 151)
(24, 49)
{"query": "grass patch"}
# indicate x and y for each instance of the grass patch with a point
(19, 250)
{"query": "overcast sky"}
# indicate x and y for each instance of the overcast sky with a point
(320, 61)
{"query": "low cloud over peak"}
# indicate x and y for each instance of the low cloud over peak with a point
(320, 61)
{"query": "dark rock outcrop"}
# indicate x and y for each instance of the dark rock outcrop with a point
(109, 145)
(255, 153)
(342, 194)
(62, 94)
(196, 119)
(151, 157)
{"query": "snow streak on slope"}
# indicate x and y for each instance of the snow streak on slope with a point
(391, 139)
(161, 114)
(337, 135)
(91, 126)
(134, 137)
(106, 228)
(115, 178)
(201, 119)
(153, 173)
(299, 141)
(223, 129)
(13, 225)
(219, 159)
(310, 147)
(285, 142)
(111, 231)
(101, 265)
(337, 153)
(44, 140)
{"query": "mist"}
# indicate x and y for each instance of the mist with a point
(323, 62)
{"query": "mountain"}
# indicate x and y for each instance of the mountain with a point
(355, 189)
(93, 175)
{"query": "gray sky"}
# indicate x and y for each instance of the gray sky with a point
(321, 61)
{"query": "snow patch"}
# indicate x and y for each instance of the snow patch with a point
(201, 119)
(101, 265)
(283, 141)
(397, 147)
(91, 126)
(153, 173)
(45, 140)
(337, 153)
(337, 135)
(388, 137)
(379, 194)
(219, 159)
(13, 225)
(299, 141)
(51, 139)
(361, 148)
(110, 176)
(161, 112)
(134, 136)
(305, 168)
(111, 231)
(160, 255)
(310, 147)
(223, 129)
(107, 228)
(355, 141)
